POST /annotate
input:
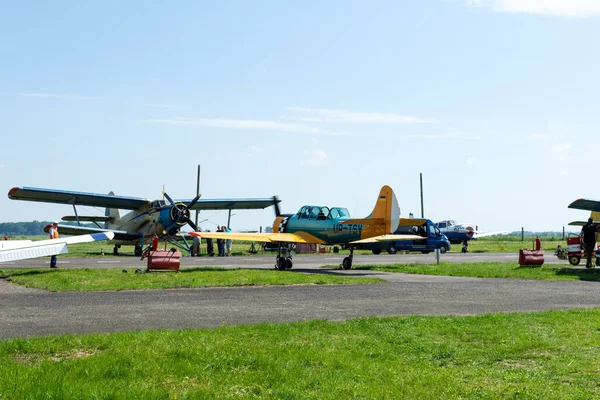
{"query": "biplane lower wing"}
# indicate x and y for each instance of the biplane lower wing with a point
(12, 250)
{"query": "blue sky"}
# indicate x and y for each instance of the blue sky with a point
(495, 102)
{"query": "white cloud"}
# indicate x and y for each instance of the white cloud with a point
(442, 136)
(159, 105)
(542, 137)
(256, 149)
(561, 8)
(316, 158)
(245, 124)
(561, 147)
(57, 96)
(343, 116)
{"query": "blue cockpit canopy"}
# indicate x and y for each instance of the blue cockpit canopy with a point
(322, 213)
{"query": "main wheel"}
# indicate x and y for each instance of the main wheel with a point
(281, 263)
(443, 248)
(392, 249)
(288, 263)
(574, 260)
(347, 263)
(137, 250)
(376, 251)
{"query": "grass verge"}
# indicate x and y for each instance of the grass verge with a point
(490, 270)
(549, 355)
(91, 279)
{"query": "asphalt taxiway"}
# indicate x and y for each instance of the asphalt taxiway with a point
(33, 312)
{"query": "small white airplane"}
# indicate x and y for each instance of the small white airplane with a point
(462, 232)
(13, 250)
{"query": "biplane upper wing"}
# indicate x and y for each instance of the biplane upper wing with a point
(230, 204)
(585, 204)
(76, 198)
(388, 238)
(82, 230)
(12, 250)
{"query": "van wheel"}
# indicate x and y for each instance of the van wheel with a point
(392, 249)
(376, 251)
(443, 248)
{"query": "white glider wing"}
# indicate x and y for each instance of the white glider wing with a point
(12, 250)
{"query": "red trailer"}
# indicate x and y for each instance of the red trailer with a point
(575, 252)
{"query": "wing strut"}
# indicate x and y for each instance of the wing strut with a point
(76, 215)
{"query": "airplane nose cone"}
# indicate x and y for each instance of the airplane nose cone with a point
(470, 231)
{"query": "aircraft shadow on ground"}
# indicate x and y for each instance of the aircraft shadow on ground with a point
(588, 275)
(337, 272)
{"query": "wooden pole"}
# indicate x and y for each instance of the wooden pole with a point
(421, 180)
(197, 191)
(522, 234)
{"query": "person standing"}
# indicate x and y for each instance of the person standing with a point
(589, 236)
(53, 234)
(209, 246)
(196, 246)
(228, 244)
(220, 244)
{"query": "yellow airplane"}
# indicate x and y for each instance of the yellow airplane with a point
(328, 226)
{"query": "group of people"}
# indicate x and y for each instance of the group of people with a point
(223, 245)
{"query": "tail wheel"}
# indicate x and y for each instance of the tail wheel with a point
(574, 260)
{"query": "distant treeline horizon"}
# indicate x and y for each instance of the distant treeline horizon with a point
(36, 228)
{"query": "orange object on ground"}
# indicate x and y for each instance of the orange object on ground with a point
(164, 260)
(531, 257)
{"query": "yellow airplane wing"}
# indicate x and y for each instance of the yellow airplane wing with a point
(388, 238)
(299, 237)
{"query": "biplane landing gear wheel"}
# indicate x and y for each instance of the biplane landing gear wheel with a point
(137, 251)
(280, 263)
(116, 249)
(288, 263)
(574, 260)
(376, 251)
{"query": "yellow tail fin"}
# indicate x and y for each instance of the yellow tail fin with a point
(387, 208)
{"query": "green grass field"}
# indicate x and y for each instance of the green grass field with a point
(490, 270)
(546, 355)
(91, 279)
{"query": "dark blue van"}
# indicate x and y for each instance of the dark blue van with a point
(433, 238)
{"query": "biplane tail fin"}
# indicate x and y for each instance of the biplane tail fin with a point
(113, 213)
